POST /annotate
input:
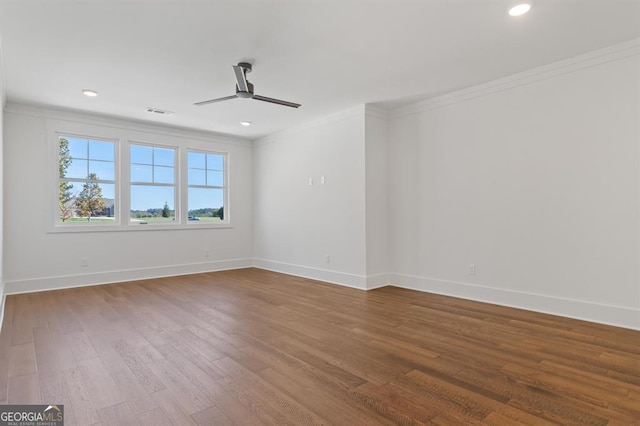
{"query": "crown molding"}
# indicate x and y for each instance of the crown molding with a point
(377, 112)
(597, 57)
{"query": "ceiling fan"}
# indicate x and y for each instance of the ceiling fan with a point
(244, 89)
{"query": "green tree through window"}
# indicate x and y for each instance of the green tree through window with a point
(65, 195)
(89, 201)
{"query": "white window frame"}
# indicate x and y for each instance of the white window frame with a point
(123, 136)
(116, 183)
(225, 180)
(176, 185)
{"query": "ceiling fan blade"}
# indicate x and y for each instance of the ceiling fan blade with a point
(241, 78)
(226, 98)
(276, 101)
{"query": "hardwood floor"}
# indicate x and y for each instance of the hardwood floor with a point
(256, 347)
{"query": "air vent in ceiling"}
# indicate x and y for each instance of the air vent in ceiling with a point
(159, 111)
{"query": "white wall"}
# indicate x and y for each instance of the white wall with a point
(36, 258)
(296, 224)
(535, 180)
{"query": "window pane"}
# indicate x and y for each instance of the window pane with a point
(101, 150)
(141, 154)
(148, 204)
(86, 202)
(108, 191)
(215, 162)
(196, 177)
(77, 169)
(77, 147)
(163, 174)
(104, 170)
(204, 203)
(196, 160)
(140, 173)
(163, 157)
(215, 178)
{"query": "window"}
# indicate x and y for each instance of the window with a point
(87, 181)
(206, 186)
(114, 183)
(153, 188)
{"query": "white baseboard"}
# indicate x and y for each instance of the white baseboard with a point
(589, 311)
(334, 277)
(377, 281)
(619, 316)
(108, 277)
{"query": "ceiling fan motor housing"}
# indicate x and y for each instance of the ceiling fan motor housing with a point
(247, 94)
(246, 66)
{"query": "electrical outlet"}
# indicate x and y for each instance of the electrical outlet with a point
(206, 252)
(471, 269)
(321, 180)
(84, 261)
(310, 181)
(327, 258)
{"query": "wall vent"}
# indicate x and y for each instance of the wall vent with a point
(159, 111)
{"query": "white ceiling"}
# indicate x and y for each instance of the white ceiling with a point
(328, 55)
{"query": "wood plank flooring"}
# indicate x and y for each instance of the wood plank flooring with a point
(256, 347)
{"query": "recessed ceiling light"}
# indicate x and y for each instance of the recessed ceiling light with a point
(245, 123)
(519, 9)
(90, 93)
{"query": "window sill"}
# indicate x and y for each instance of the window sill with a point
(136, 228)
